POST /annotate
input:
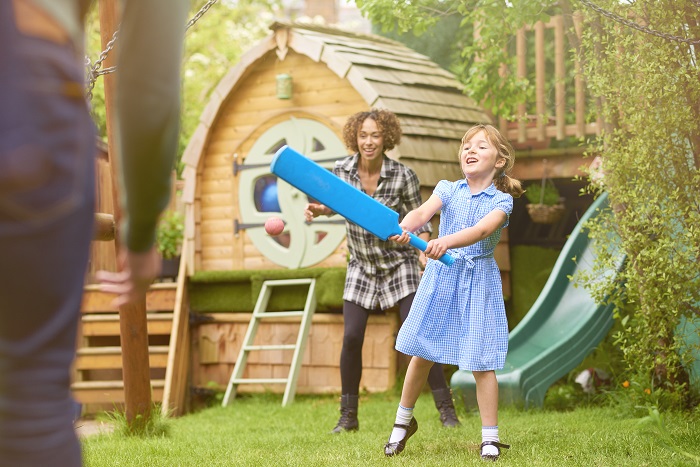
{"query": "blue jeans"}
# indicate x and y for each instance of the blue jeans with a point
(47, 157)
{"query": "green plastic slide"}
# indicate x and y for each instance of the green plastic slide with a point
(563, 326)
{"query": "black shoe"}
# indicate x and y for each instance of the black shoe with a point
(492, 457)
(446, 407)
(348, 415)
(391, 449)
(348, 421)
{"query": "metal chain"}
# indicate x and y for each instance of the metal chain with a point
(638, 27)
(199, 14)
(93, 71)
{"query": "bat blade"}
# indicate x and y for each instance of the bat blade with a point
(343, 198)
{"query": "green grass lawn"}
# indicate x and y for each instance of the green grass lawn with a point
(257, 431)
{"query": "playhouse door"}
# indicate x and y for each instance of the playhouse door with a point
(261, 195)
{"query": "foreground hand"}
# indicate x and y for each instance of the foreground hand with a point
(436, 248)
(137, 272)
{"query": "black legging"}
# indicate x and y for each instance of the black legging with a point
(355, 323)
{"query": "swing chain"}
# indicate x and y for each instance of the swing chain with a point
(93, 71)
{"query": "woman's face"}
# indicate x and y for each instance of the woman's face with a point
(370, 140)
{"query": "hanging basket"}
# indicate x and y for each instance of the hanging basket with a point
(545, 213)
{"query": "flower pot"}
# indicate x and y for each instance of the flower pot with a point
(545, 214)
(170, 268)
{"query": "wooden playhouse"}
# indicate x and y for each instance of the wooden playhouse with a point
(297, 87)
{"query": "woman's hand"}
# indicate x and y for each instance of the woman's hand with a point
(314, 210)
(403, 238)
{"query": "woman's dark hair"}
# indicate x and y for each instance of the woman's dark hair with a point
(387, 122)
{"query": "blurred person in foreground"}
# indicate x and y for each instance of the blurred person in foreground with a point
(47, 158)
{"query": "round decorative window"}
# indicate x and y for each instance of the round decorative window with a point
(261, 195)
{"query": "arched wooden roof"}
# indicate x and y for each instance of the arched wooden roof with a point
(428, 100)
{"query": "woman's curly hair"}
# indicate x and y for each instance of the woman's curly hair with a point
(387, 122)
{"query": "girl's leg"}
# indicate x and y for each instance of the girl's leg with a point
(487, 396)
(405, 425)
(436, 378)
(416, 376)
(487, 399)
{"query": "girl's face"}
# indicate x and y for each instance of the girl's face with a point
(370, 141)
(479, 158)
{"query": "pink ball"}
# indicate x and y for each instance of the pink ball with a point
(274, 226)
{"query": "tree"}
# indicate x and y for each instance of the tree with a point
(213, 44)
(640, 63)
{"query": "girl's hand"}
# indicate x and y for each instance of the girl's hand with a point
(314, 210)
(436, 248)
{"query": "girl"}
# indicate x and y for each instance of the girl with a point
(458, 315)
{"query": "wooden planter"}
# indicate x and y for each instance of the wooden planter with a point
(545, 214)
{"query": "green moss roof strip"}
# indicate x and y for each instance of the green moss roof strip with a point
(237, 291)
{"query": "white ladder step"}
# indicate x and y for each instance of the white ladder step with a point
(270, 347)
(260, 381)
(280, 314)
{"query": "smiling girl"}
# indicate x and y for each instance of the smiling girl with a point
(458, 315)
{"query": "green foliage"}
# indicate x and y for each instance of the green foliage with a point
(537, 194)
(480, 61)
(651, 159)
(213, 45)
(646, 88)
(169, 234)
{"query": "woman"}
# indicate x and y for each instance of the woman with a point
(380, 273)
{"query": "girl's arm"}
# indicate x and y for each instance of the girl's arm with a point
(421, 215)
(482, 229)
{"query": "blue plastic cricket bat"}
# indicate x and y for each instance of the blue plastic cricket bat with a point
(343, 198)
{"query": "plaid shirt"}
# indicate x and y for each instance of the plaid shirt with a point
(380, 273)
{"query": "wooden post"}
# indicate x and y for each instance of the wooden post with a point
(132, 318)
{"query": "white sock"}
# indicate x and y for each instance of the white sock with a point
(489, 433)
(403, 417)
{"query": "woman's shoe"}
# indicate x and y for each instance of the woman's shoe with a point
(391, 449)
(492, 457)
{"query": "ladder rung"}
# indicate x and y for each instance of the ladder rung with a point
(270, 347)
(279, 314)
(260, 381)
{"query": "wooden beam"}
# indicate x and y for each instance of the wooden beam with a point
(134, 334)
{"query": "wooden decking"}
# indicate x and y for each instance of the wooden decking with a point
(97, 380)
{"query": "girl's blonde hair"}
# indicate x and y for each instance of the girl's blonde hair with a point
(501, 180)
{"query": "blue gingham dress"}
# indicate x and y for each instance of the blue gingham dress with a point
(458, 316)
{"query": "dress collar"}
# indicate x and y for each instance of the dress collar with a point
(490, 190)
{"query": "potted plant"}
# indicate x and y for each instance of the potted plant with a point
(545, 206)
(169, 235)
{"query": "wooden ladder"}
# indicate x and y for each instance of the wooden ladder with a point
(260, 313)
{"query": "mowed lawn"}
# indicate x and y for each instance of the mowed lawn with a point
(255, 430)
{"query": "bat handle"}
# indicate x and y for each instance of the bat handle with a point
(422, 245)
